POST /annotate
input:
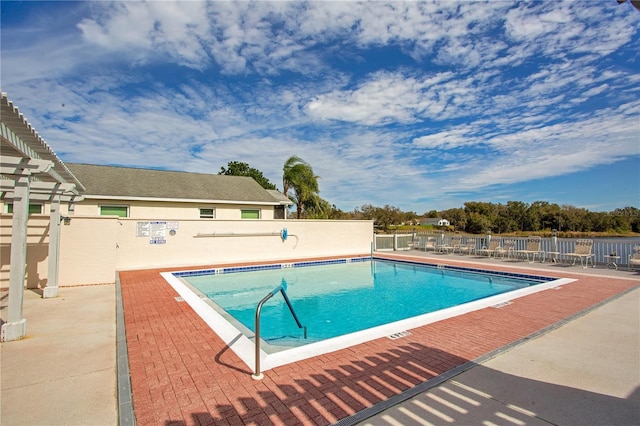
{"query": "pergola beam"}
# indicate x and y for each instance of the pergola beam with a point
(45, 196)
(43, 191)
(17, 142)
(16, 166)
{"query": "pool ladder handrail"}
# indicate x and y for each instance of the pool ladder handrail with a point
(257, 375)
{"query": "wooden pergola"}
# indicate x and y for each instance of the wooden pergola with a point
(30, 170)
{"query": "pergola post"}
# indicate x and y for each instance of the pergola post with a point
(16, 327)
(51, 290)
(25, 153)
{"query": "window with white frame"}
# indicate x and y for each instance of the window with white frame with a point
(207, 213)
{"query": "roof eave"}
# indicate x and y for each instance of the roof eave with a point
(181, 200)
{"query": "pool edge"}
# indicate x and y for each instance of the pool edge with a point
(244, 348)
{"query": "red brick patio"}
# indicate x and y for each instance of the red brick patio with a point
(182, 373)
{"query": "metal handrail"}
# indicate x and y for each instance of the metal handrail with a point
(257, 375)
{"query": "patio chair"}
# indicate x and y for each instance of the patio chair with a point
(634, 257)
(583, 251)
(431, 244)
(494, 245)
(469, 247)
(456, 242)
(533, 249)
(414, 244)
(419, 242)
(508, 249)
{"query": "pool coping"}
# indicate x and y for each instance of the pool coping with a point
(244, 347)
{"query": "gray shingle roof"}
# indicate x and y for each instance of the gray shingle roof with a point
(279, 196)
(115, 181)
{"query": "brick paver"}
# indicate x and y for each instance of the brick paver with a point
(182, 373)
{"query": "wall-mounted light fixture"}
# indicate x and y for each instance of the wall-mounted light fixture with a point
(65, 219)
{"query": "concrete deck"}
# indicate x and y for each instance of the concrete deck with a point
(466, 370)
(64, 371)
(586, 372)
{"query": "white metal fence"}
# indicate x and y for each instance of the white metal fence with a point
(601, 247)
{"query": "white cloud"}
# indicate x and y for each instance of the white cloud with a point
(557, 150)
(448, 139)
(395, 97)
(147, 29)
(596, 90)
(484, 93)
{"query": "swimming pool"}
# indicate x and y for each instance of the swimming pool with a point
(341, 302)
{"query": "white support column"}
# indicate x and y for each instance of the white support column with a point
(51, 290)
(16, 327)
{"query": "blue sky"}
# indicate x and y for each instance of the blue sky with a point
(418, 105)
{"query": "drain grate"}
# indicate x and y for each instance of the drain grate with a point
(500, 305)
(399, 335)
(179, 299)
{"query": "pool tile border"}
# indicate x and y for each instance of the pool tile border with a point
(267, 266)
(541, 278)
(273, 266)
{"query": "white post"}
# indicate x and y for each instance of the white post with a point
(16, 327)
(51, 290)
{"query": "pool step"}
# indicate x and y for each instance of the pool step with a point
(289, 341)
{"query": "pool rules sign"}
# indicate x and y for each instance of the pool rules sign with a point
(156, 231)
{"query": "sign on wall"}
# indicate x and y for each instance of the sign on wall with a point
(156, 231)
(142, 229)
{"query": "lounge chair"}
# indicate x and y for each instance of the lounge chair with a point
(469, 247)
(419, 242)
(455, 245)
(533, 249)
(415, 243)
(431, 244)
(634, 257)
(583, 251)
(508, 248)
(493, 247)
(426, 243)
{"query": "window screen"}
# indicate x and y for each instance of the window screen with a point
(121, 211)
(33, 208)
(250, 214)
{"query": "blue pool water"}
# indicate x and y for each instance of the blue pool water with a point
(337, 299)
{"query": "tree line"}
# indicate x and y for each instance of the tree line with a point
(300, 184)
(516, 216)
(513, 217)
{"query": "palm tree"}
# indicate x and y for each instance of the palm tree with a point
(298, 176)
